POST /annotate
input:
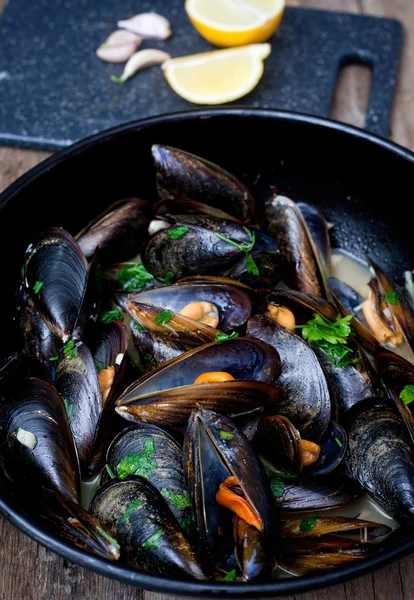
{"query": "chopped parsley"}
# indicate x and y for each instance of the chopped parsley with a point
(223, 337)
(148, 358)
(138, 464)
(53, 358)
(154, 541)
(109, 471)
(168, 278)
(68, 408)
(277, 485)
(308, 523)
(70, 350)
(98, 365)
(180, 501)
(37, 286)
(110, 539)
(177, 232)
(130, 509)
(22, 271)
(188, 524)
(407, 395)
(338, 441)
(139, 327)
(391, 298)
(225, 435)
(251, 266)
(230, 576)
(330, 337)
(133, 277)
(163, 318)
(111, 315)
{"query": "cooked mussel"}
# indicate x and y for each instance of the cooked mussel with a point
(317, 526)
(37, 447)
(381, 457)
(224, 478)
(149, 535)
(109, 346)
(167, 395)
(181, 174)
(119, 232)
(305, 394)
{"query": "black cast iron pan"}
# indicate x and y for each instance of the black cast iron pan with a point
(362, 183)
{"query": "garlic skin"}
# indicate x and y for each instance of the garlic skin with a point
(119, 46)
(141, 60)
(149, 26)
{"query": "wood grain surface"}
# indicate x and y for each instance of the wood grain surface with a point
(29, 571)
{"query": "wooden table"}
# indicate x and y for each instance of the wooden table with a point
(29, 571)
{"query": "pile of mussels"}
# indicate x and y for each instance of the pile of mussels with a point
(220, 391)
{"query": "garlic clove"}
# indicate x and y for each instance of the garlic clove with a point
(141, 60)
(119, 46)
(148, 25)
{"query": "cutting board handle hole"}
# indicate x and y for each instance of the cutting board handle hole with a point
(352, 92)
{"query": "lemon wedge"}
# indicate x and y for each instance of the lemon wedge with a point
(235, 22)
(217, 77)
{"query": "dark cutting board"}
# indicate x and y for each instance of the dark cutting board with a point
(54, 91)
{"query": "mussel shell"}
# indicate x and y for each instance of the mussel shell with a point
(167, 475)
(91, 302)
(271, 267)
(278, 441)
(134, 511)
(316, 494)
(285, 222)
(110, 341)
(155, 350)
(329, 525)
(305, 394)
(75, 525)
(303, 305)
(364, 335)
(233, 304)
(199, 251)
(318, 230)
(36, 407)
(174, 406)
(333, 448)
(182, 206)
(119, 231)
(348, 297)
(56, 261)
(319, 562)
(253, 558)
(77, 382)
(180, 173)
(381, 457)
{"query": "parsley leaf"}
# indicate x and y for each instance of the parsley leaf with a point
(22, 271)
(109, 471)
(223, 337)
(70, 350)
(154, 541)
(189, 525)
(251, 266)
(111, 315)
(110, 539)
(163, 318)
(133, 277)
(130, 509)
(177, 232)
(225, 435)
(407, 395)
(180, 501)
(230, 576)
(331, 337)
(168, 278)
(139, 327)
(138, 464)
(307, 524)
(338, 441)
(37, 286)
(53, 358)
(98, 365)
(68, 408)
(391, 298)
(277, 485)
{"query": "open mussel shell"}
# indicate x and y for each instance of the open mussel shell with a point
(333, 447)
(305, 394)
(150, 537)
(399, 307)
(77, 382)
(346, 295)
(285, 222)
(321, 560)
(303, 305)
(256, 296)
(183, 206)
(232, 303)
(119, 232)
(180, 173)
(198, 250)
(75, 525)
(128, 454)
(110, 344)
(381, 457)
(56, 275)
(270, 265)
(37, 447)
(320, 526)
(278, 441)
(215, 450)
(251, 551)
(154, 350)
(396, 372)
(319, 233)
